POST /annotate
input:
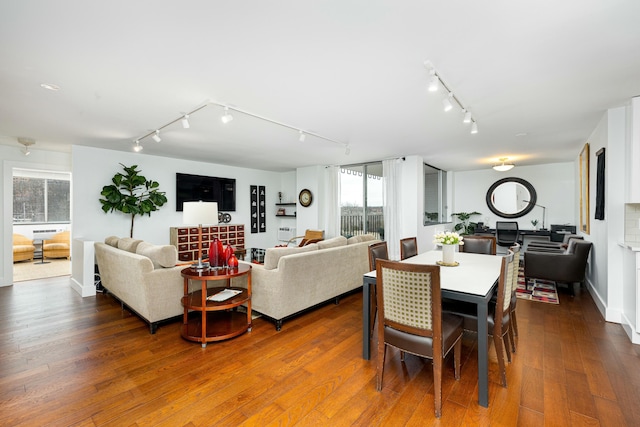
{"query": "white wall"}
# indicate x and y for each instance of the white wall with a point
(13, 157)
(554, 184)
(91, 223)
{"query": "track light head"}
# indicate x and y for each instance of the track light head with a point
(137, 148)
(447, 102)
(474, 128)
(156, 136)
(347, 150)
(434, 82)
(227, 117)
(467, 117)
(185, 121)
(302, 136)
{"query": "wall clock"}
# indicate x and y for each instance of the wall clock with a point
(305, 198)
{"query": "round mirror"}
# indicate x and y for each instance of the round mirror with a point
(511, 197)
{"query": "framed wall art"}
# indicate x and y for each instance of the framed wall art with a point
(584, 189)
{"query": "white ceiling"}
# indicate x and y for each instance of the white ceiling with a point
(352, 71)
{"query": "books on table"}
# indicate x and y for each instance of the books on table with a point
(224, 295)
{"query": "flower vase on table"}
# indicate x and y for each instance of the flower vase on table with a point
(449, 241)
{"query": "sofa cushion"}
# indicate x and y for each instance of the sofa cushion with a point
(128, 244)
(160, 256)
(332, 243)
(272, 255)
(359, 239)
(112, 241)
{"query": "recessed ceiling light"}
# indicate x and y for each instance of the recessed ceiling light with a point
(521, 134)
(50, 86)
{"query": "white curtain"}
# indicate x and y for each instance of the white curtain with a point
(391, 203)
(332, 206)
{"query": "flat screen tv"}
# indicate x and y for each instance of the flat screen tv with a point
(193, 188)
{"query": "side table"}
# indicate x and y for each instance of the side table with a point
(205, 320)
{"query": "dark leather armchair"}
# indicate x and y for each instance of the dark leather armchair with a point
(567, 267)
(556, 247)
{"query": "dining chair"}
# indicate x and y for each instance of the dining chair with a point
(377, 250)
(479, 244)
(408, 247)
(513, 330)
(410, 318)
(499, 319)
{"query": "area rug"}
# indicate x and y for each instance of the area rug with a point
(30, 270)
(537, 290)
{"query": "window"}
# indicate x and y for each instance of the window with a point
(41, 197)
(435, 196)
(361, 200)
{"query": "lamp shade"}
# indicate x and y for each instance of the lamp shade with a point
(200, 213)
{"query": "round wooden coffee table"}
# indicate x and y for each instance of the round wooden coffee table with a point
(206, 320)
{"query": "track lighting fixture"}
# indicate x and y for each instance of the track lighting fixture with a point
(504, 166)
(347, 150)
(227, 117)
(435, 80)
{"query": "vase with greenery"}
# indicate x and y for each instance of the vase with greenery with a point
(534, 222)
(132, 194)
(465, 226)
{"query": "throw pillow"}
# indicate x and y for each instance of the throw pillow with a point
(332, 243)
(128, 244)
(112, 241)
(160, 256)
(359, 239)
(272, 255)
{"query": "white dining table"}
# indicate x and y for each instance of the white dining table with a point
(473, 280)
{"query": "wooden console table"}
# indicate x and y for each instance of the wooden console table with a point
(205, 320)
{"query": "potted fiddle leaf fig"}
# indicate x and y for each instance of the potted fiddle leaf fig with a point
(132, 194)
(464, 226)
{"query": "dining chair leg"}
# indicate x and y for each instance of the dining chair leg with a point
(401, 356)
(512, 338)
(373, 312)
(382, 347)
(497, 341)
(457, 356)
(514, 322)
(437, 384)
(506, 342)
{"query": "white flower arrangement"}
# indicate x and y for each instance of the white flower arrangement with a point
(448, 238)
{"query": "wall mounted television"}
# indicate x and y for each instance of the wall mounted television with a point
(191, 188)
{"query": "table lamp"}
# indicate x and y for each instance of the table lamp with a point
(200, 213)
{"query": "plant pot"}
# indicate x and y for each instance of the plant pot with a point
(448, 254)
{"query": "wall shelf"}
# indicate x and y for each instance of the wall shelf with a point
(286, 204)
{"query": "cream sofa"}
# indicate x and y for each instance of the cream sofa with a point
(143, 276)
(294, 279)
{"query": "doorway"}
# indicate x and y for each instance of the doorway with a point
(41, 217)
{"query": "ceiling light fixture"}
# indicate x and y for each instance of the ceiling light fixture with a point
(137, 148)
(435, 80)
(185, 121)
(27, 142)
(50, 86)
(227, 117)
(504, 166)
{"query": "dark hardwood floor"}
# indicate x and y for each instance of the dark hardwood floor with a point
(72, 361)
